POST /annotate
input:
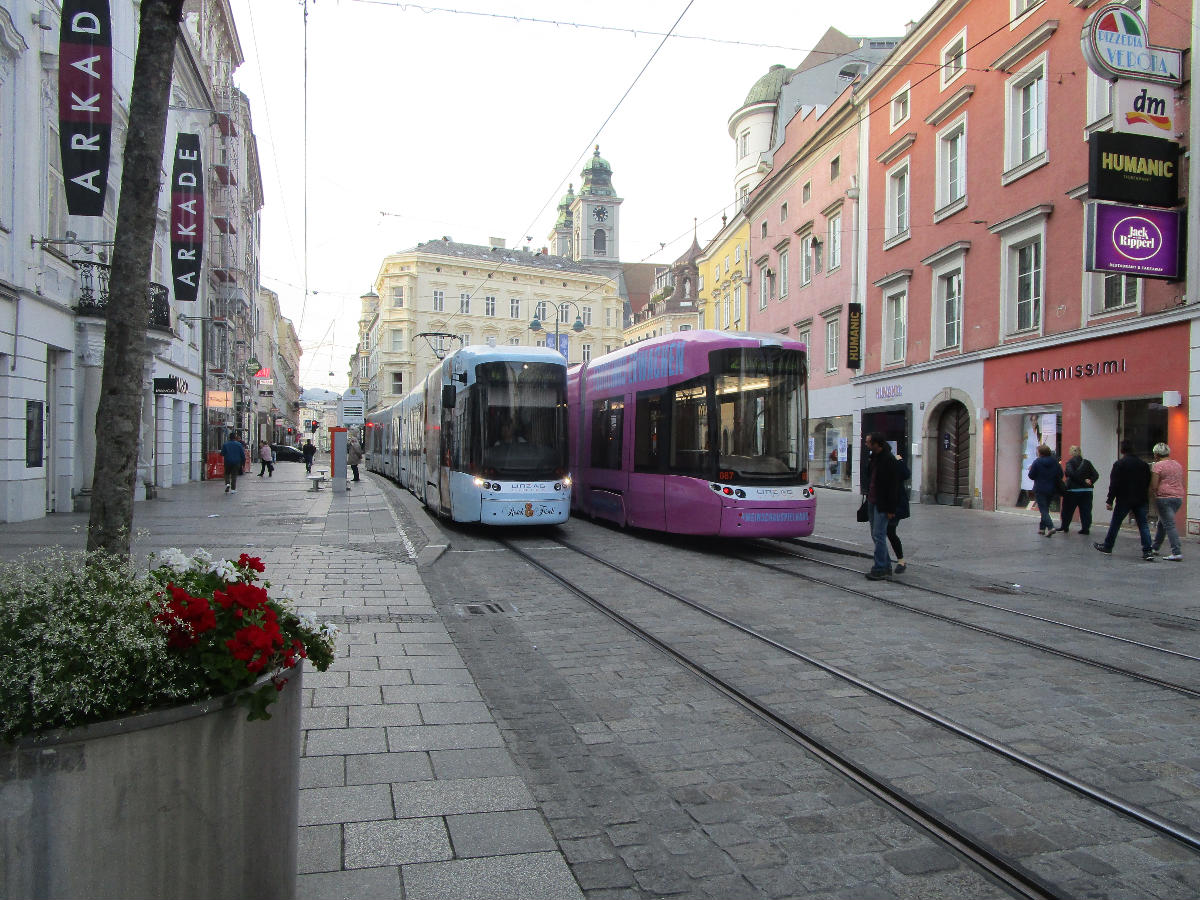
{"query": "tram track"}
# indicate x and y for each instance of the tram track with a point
(1114, 668)
(1019, 878)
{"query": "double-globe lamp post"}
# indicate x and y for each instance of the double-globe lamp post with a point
(536, 324)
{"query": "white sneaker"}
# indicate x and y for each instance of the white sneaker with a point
(1174, 557)
(233, 490)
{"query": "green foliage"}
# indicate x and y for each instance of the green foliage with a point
(85, 637)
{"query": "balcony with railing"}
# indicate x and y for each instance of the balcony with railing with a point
(94, 294)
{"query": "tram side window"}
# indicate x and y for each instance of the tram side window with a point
(690, 444)
(650, 433)
(608, 420)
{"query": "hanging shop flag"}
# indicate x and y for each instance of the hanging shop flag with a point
(85, 103)
(187, 216)
(854, 337)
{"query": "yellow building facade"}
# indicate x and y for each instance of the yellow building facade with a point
(724, 276)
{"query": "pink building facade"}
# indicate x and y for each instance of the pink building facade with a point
(984, 334)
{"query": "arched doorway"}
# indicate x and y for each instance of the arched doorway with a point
(953, 455)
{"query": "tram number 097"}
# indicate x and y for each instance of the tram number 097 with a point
(725, 475)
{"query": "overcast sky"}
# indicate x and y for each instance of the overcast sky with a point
(430, 120)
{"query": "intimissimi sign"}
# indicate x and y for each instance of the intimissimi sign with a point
(187, 216)
(1088, 369)
(85, 103)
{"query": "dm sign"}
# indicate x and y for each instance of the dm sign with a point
(1133, 240)
(1143, 107)
(1115, 45)
(1130, 168)
(187, 216)
(85, 103)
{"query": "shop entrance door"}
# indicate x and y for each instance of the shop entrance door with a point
(1144, 422)
(953, 455)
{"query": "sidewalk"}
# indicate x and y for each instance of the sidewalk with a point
(406, 787)
(1004, 548)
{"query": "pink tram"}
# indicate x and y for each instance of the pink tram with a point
(696, 432)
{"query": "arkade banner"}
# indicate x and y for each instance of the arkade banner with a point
(187, 216)
(85, 103)
(1133, 240)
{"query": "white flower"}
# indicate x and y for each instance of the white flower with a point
(202, 558)
(174, 559)
(225, 570)
(329, 631)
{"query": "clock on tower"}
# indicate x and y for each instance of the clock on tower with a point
(600, 213)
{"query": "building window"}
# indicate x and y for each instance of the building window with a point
(737, 253)
(1120, 291)
(835, 168)
(586, 351)
(896, 222)
(835, 241)
(783, 272)
(608, 318)
(397, 340)
(56, 194)
(1099, 97)
(514, 341)
(743, 146)
(954, 58)
(727, 258)
(894, 322)
(783, 212)
(899, 107)
(725, 311)
(564, 313)
(806, 192)
(514, 307)
(1026, 261)
(762, 289)
(587, 316)
(762, 233)
(398, 295)
(805, 259)
(439, 301)
(804, 336)
(737, 304)
(540, 310)
(1025, 129)
(952, 167)
(489, 306)
(397, 382)
(743, 197)
(599, 243)
(464, 339)
(464, 303)
(833, 344)
(949, 309)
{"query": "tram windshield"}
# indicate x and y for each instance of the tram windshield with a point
(760, 400)
(522, 424)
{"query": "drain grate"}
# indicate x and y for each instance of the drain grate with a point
(393, 618)
(481, 609)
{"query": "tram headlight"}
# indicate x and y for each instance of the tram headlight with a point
(557, 486)
(739, 493)
(496, 486)
(566, 482)
(480, 483)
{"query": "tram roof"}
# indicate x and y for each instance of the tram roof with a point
(714, 339)
(481, 353)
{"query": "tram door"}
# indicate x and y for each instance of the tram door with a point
(953, 455)
(646, 500)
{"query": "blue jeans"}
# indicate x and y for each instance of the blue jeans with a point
(1043, 502)
(1167, 507)
(1140, 515)
(879, 524)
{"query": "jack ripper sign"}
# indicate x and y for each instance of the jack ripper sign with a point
(187, 216)
(85, 103)
(1133, 240)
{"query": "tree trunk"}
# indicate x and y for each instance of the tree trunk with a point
(118, 419)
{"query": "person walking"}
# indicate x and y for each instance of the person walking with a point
(233, 452)
(353, 457)
(1046, 475)
(903, 473)
(309, 452)
(1166, 484)
(1080, 477)
(883, 498)
(266, 458)
(1129, 490)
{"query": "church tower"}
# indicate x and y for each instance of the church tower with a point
(595, 219)
(562, 235)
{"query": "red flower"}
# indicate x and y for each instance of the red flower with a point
(247, 596)
(251, 562)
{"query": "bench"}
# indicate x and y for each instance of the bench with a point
(317, 481)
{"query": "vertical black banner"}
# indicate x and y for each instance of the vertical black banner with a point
(187, 216)
(854, 336)
(85, 103)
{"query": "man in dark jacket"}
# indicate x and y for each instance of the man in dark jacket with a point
(1129, 493)
(233, 452)
(884, 488)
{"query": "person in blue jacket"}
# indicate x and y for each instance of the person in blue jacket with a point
(1046, 475)
(233, 452)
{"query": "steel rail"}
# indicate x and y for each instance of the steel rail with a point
(1138, 814)
(1007, 872)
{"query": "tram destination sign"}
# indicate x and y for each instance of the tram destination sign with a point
(1134, 240)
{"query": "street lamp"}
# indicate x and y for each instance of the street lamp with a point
(536, 324)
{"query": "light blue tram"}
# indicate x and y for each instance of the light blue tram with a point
(483, 438)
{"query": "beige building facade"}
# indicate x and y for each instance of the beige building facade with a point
(441, 295)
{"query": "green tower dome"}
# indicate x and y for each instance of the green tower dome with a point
(597, 177)
(565, 219)
(767, 88)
